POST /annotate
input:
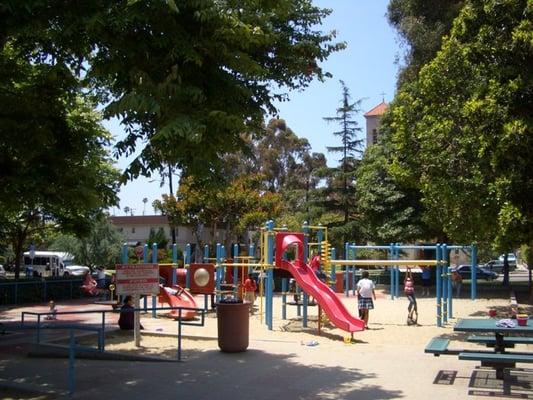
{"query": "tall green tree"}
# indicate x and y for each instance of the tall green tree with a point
(99, 248)
(56, 170)
(388, 212)
(463, 129)
(237, 207)
(185, 79)
(158, 237)
(341, 196)
(421, 26)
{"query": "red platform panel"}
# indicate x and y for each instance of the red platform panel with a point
(202, 278)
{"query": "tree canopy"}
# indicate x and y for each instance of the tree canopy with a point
(462, 130)
(55, 167)
(185, 79)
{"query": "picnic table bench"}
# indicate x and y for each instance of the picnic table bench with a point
(502, 337)
(508, 341)
(439, 346)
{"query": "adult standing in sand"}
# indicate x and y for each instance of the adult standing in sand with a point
(426, 280)
(365, 294)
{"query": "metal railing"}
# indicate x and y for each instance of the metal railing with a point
(101, 330)
(37, 290)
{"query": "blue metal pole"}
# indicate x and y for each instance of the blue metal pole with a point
(145, 260)
(236, 269)
(270, 274)
(284, 298)
(223, 259)
(187, 261)
(397, 277)
(218, 270)
(251, 253)
(206, 253)
(333, 272)
(354, 257)
(154, 298)
(305, 229)
(320, 238)
(439, 284)
(125, 253)
(445, 284)
(448, 280)
(392, 279)
(473, 287)
(175, 262)
(346, 270)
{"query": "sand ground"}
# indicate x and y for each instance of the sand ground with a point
(386, 361)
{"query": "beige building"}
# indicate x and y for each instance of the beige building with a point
(136, 228)
(373, 118)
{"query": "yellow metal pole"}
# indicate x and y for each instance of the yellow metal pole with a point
(386, 262)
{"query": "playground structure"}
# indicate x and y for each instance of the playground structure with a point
(221, 276)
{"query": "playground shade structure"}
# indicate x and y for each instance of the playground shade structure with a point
(176, 296)
(323, 294)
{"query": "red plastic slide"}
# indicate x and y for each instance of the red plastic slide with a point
(325, 297)
(176, 296)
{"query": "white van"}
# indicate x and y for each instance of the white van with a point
(48, 263)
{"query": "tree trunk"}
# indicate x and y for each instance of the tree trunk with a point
(19, 250)
(505, 270)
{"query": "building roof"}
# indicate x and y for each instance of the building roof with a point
(139, 220)
(377, 110)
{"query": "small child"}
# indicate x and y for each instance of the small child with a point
(53, 310)
(409, 290)
(249, 291)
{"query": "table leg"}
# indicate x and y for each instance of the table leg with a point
(499, 346)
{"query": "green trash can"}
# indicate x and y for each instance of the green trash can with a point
(233, 326)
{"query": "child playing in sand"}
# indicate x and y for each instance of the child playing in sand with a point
(53, 310)
(250, 286)
(365, 294)
(409, 290)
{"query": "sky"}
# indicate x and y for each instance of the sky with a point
(367, 66)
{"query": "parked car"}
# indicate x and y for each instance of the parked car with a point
(2, 272)
(497, 266)
(511, 258)
(76, 270)
(482, 273)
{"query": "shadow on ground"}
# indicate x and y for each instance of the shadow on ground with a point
(208, 375)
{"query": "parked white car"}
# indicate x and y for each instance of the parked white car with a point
(2, 272)
(76, 270)
(511, 258)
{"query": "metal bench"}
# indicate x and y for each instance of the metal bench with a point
(438, 346)
(498, 361)
(508, 341)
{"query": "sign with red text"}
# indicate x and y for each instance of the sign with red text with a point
(137, 279)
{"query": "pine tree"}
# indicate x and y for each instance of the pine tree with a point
(341, 196)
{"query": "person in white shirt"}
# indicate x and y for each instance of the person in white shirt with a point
(365, 294)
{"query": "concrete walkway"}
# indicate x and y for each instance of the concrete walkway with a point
(277, 365)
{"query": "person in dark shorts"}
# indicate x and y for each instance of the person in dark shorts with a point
(409, 290)
(426, 280)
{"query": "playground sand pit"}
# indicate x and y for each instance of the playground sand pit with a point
(387, 326)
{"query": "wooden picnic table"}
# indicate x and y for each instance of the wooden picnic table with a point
(499, 358)
(489, 326)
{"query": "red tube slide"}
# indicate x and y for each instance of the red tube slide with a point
(176, 296)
